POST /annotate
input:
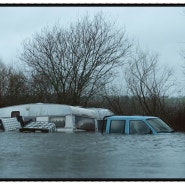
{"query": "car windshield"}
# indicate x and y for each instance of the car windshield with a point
(159, 125)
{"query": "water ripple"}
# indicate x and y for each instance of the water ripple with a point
(91, 155)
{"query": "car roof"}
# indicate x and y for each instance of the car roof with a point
(138, 117)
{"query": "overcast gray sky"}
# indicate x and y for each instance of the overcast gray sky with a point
(158, 29)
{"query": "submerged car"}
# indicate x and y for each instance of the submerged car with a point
(135, 125)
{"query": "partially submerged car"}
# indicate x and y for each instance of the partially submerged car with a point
(135, 125)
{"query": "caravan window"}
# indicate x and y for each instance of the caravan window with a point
(85, 123)
(59, 121)
(15, 114)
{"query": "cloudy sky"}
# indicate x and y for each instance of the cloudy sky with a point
(158, 29)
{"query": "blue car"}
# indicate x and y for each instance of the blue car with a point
(135, 125)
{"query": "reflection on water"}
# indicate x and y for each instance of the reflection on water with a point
(91, 155)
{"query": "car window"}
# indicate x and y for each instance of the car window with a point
(117, 126)
(139, 127)
(159, 125)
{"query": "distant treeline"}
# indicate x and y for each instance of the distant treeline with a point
(174, 113)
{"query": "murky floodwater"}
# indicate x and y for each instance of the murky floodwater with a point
(91, 155)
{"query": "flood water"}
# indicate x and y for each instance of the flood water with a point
(91, 156)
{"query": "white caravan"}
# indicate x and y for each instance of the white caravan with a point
(66, 118)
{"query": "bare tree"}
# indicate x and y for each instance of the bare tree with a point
(17, 90)
(77, 62)
(40, 90)
(148, 83)
(13, 86)
(3, 82)
(182, 54)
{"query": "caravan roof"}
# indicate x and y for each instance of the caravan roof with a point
(101, 112)
(45, 109)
